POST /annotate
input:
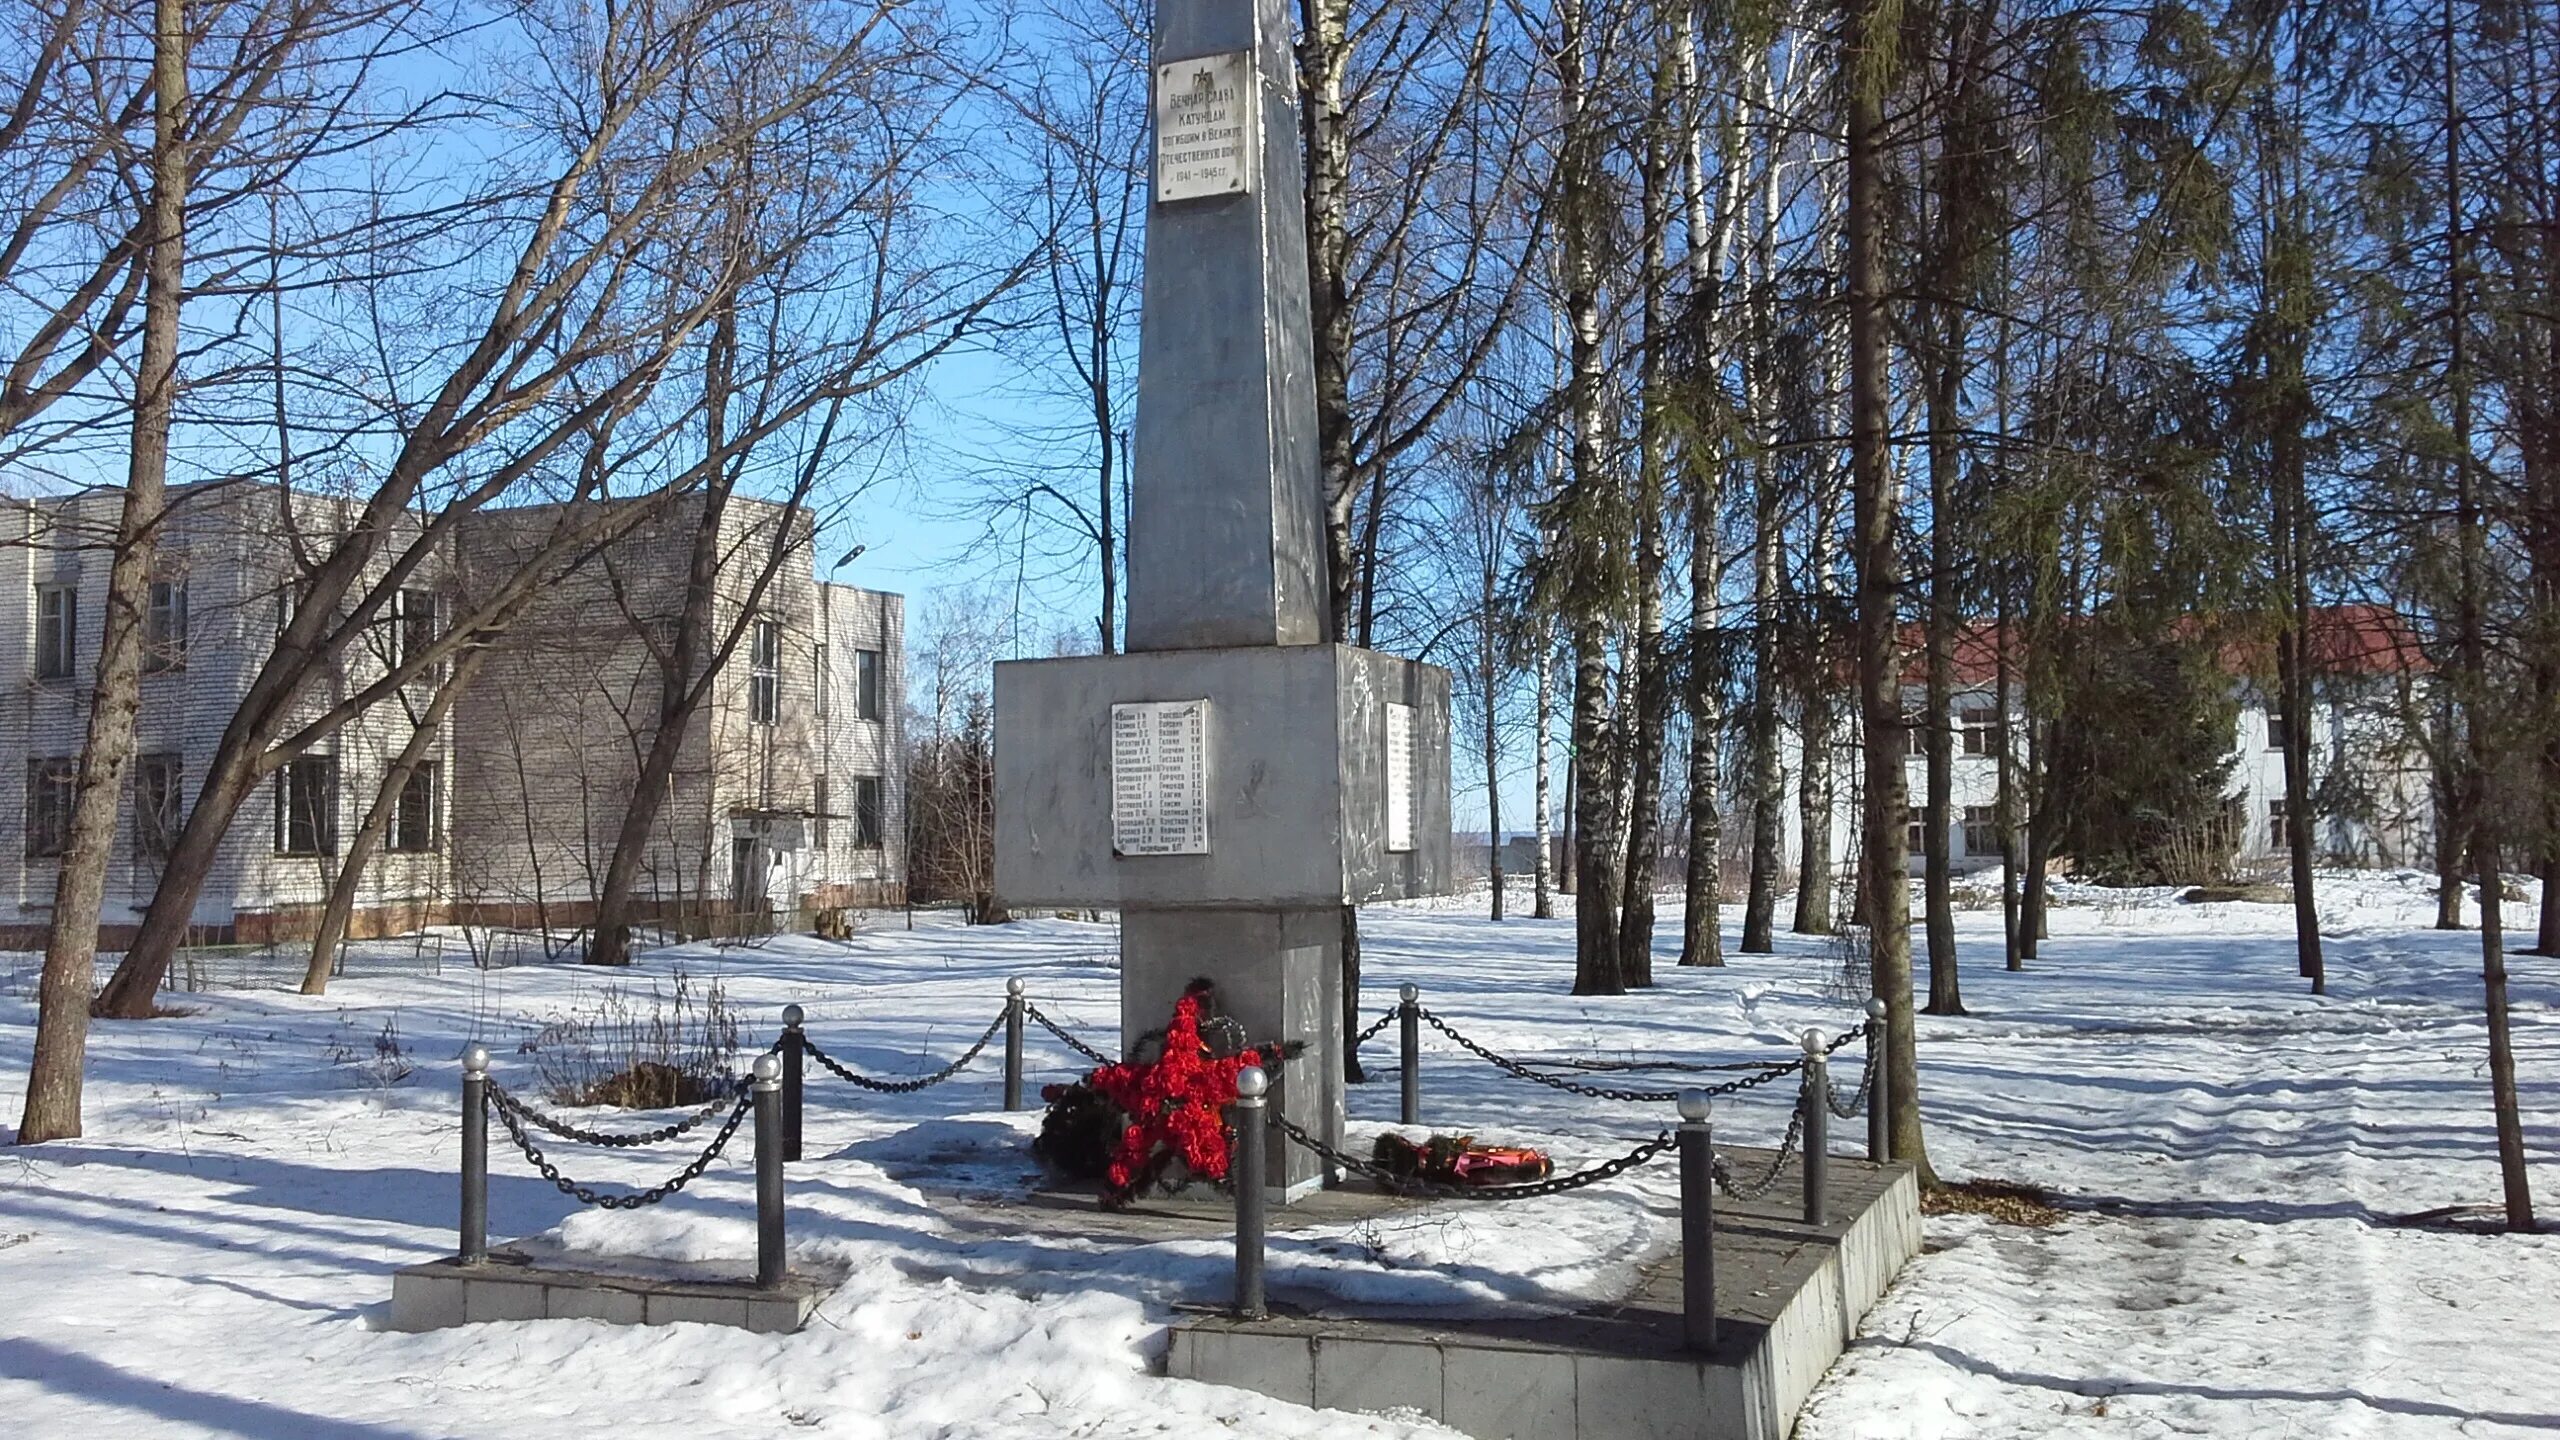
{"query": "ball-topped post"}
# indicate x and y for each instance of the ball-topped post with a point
(1697, 1222)
(1246, 1174)
(1813, 1104)
(1879, 1086)
(1409, 1055)
(766, 1090)
(1015, 1011)
(793, 1050)
(472, 1243)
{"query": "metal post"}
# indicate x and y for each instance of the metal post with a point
(793, 1039)
(1251, 1086)
(1815, 1101)
(1409, 1019)
(474, 1246)
(768, 1093)
(1013, 1043)
(1697, 1222)
(1879, 1124)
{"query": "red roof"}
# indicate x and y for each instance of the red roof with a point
(2355, 639)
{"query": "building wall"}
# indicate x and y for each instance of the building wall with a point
(566, 709)
(2378, 807)
(225, 544)
(537, 760)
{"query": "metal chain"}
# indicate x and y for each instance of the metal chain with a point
(633, 1201)
(904, 1087)
(1365, 1036)
(1071, 1042)
(506, 1101)
(1857, 1103)
(1407, 1185)
(1598, 1092)
(1724, 1173)
(1611, 1067)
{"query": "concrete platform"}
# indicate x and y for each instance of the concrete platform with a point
(512, 1285)
(1789, 1298)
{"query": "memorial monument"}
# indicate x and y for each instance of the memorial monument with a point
(1235, 779)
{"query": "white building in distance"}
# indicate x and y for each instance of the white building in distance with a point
(2376, 804)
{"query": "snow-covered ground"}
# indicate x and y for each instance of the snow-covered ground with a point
(214, 1257)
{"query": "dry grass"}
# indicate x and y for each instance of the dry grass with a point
(2000, 1200)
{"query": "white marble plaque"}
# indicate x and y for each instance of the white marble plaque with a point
(1399, 776)
(1160, 778)
(1205, 129)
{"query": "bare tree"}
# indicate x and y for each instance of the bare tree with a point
(1864, 58)
(606, 272)
(275, 90)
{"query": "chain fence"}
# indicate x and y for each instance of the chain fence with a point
(506, 1101)
(1064, 1038)
(587, 1195)
(1365, 1036)
(1787, 1147)
(1856, 1104)
(1394, 1183)
(913, 1084)
(1762, 1076)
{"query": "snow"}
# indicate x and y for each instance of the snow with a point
(214, 1258)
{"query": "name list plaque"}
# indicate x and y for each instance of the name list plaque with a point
(1399, 776)
(1205, 135)
(1160, 778)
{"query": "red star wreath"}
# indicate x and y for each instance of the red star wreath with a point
(1151, 1126)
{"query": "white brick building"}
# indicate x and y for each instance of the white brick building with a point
(2376, 804)
(513, 813)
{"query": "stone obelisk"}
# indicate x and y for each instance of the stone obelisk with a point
(1235, 779)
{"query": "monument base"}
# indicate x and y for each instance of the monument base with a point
(1789, 1299)
(1279, 974)
(511, 1285)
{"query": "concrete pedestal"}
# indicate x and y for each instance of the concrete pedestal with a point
(1279, 974)
(511, 1285)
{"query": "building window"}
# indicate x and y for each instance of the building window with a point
(1915, 736)
(764, 673)
(57, 630)
(414, 810)
(164, 627)
(2277, 728)
(818, 673)
(1979, 723)
(48, 805)
(416, 630)
(2276, 818)
(870, 818)
(1981, 830)
(156, 805)
(866, 683)
(307, 806)
(1915, 829)
(818, 811)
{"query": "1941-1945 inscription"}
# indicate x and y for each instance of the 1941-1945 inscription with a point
(1205, 132)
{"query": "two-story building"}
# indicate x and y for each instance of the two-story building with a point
(788, 795)
(786, 792)
(2374, 799)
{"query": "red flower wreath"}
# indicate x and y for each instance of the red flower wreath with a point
(1176, 1108)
